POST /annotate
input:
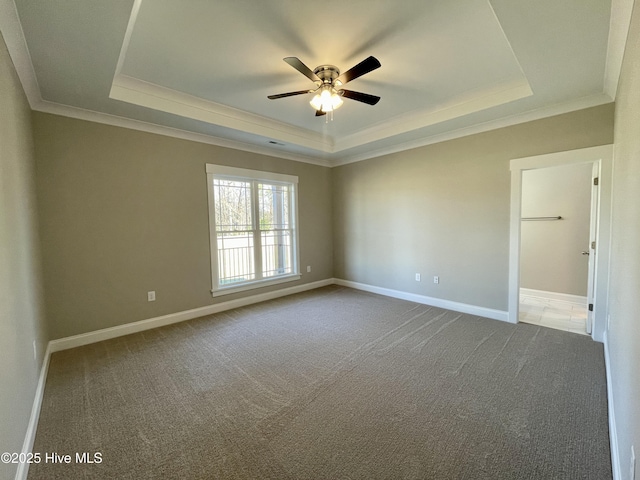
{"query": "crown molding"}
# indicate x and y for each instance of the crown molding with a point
(621, 11)
(471, 102)
(149, 95)
(133, 18)
(11, 30)
(116, 121)
(113, 120)
(537, 114)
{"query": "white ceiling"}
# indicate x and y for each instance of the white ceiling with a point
(202, 70)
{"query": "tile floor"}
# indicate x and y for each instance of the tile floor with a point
(561, 315)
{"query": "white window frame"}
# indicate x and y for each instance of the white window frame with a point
(243, 174)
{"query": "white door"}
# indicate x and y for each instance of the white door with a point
(592, 247)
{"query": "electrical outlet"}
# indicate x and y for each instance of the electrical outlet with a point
(308, 268)
(417, 277)
(632, 465)
(151, 296)
(436, 279)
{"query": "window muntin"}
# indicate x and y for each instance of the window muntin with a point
(252, 227)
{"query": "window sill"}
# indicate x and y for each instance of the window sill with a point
(253, 285)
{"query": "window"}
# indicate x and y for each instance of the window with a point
(253, 232)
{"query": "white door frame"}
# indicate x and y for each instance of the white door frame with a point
(602, 157)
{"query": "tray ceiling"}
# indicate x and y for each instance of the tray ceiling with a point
(203, 70)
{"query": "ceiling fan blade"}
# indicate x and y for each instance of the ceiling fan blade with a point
(360, 97)
(302, 68)
(319, 113)
(367, 65)
(288, 94)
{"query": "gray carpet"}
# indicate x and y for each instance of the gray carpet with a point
(330, 384)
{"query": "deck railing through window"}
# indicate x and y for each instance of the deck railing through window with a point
(276, 253)
(237, 263)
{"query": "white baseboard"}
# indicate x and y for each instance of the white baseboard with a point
(563, 297)
(435, 302)
(150, 323)
(613, 432)
(30, 436)
(121, 330)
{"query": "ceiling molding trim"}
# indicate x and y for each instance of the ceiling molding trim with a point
(537, 114)
(113, 120)
(472, 102)
(506, 38)
(13, 34)
(14, 38)
(149, 95)
(621, 11)
(116, 121)
(127, 37)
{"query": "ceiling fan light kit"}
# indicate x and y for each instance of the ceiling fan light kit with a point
(327, 99)
(328, 91)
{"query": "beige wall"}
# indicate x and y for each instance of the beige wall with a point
(124, 212)
(443, 209)
(21, 317)
(550, 256)
(624, 333)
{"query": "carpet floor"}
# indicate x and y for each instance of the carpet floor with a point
(330, 384)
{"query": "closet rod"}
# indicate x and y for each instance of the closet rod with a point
(528, 219)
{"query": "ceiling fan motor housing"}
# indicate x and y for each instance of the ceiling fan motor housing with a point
(327, 73)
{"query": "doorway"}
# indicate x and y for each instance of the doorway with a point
(598, 160)
(555, 234)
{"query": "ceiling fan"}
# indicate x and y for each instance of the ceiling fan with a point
(329, 82)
